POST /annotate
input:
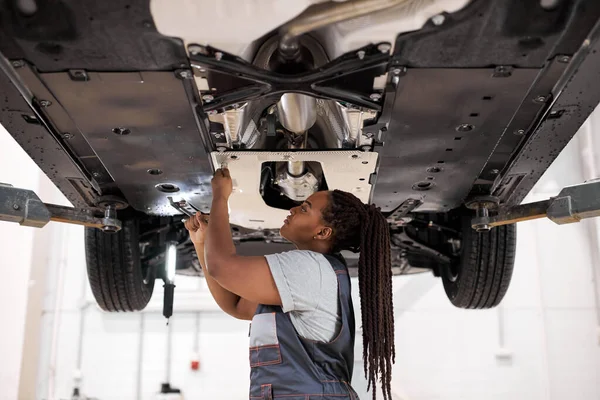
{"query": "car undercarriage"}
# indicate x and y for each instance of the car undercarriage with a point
(422, 107)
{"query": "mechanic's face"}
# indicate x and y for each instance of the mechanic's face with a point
(305, 222)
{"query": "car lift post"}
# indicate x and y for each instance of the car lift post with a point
(572, 204)
(26, 208)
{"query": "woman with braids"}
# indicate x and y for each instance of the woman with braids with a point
(302, 330)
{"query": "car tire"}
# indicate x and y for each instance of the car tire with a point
(480, 277)
(114, 269)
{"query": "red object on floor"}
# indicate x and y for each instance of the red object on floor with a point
(195, 365)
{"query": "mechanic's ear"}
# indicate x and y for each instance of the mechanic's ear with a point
(325, 233)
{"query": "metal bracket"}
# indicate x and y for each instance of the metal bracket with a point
(572, 204)
(183, 207)
(25, 207)
(400, 215)
(329, 81)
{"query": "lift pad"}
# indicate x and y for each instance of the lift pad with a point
(25, 207)
(572, 204)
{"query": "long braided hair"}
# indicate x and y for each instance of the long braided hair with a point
(360, 227)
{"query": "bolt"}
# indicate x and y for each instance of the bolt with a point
(482, 212)
(384, 47)
(360, 54)
(17, 64)
(564, 59)
(15, 207)
(398, 71)
(438, 19)
(494, 172)
(45, 103)
(217, 135)
(375, 96)
(96, 175)
(67, 136)
(464, 128)
(368, 135)
(185, 74)
(196, 49)
(208, 98)
(218, 55)
(540, 99)
(520, 132)
(482, 228)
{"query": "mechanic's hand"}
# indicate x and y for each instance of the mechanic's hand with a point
(197, 226)
(222, 185)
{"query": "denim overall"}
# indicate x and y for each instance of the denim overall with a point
(287, 366)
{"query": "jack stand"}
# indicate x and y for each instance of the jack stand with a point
(25, 207)
(572, 204)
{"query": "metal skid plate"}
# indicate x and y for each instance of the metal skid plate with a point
(143, 128)
(344, 170)
(578, 94)
(444, 125)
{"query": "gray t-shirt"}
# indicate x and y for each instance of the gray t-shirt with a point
(307, 285)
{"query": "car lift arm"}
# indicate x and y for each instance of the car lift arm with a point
(572, 204)
(26, 208)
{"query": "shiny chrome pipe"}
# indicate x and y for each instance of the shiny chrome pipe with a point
(297, 112)
(323, 14)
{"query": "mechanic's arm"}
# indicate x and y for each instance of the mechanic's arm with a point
(247, 277)
(229, 302)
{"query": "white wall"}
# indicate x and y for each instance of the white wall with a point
(551, 340)
(15, 263)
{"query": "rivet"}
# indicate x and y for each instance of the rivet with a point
(438, 19)
(15, 206)
(564, 59)
(185, 74)
(384, 47)
(375, 96)
(196, 49)
(208, 98)
(464, 128)
(360, 54)
(45, 103)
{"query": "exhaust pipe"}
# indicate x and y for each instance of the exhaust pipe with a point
(323, 14)
(297, 113)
